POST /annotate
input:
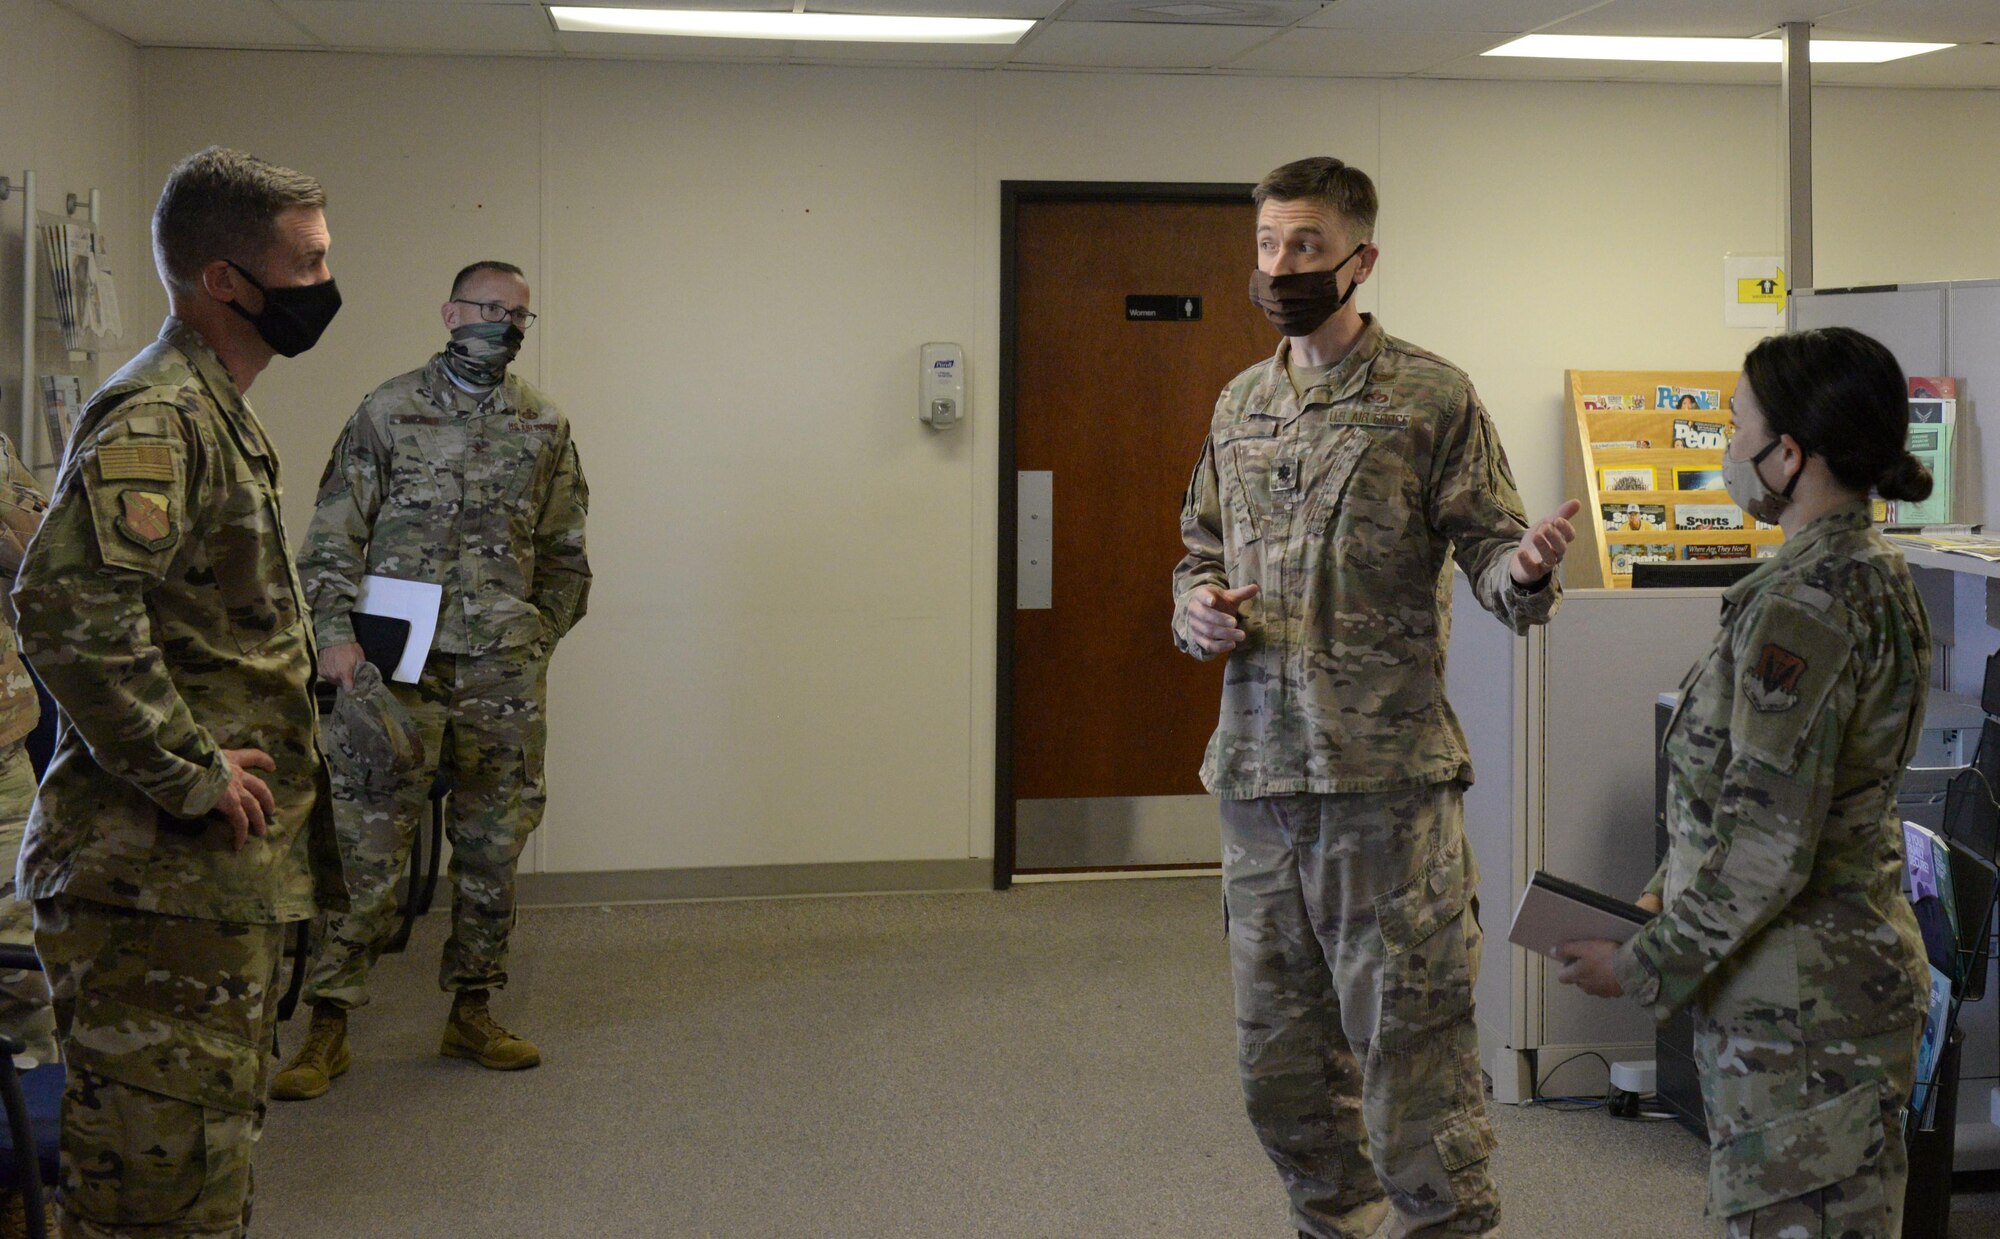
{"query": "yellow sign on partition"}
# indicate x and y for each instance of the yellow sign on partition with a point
(1753, 291)
(1763, 290)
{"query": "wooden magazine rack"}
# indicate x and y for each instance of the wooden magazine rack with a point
(1594, 445)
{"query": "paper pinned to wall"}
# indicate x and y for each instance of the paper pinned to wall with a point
(416, 601)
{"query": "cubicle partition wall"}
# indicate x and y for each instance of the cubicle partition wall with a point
(1933, 329)
(1561, 729)
(1950, 329)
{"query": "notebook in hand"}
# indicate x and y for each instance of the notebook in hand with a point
(1553, 912)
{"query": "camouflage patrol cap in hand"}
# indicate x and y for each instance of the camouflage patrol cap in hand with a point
(370, 729)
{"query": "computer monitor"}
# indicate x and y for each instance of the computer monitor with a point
(1680, 574)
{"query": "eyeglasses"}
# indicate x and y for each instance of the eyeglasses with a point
(494, 311)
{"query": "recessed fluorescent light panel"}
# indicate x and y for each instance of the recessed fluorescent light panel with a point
(803, 27)
(1710, 51)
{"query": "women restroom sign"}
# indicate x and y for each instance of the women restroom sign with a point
(1145, 308)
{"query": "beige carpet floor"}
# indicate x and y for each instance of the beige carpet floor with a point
(1050, 1063)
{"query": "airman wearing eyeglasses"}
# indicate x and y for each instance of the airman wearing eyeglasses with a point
(462, 475)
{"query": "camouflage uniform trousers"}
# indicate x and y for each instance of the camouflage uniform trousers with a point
(166, 1029)
(1353, 948)
(24, 996)
(1751, 1088)
(494, 704)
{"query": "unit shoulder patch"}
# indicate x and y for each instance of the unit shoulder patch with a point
(1772, 682)
(146, 518)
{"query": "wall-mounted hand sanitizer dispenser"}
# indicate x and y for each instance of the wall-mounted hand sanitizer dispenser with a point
(941, 386)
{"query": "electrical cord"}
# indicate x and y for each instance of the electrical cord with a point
(1562, 1104)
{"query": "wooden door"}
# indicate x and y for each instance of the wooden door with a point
(1114, 408)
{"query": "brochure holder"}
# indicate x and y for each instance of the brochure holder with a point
(1644, 455)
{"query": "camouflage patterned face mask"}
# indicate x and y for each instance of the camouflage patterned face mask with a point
(479, 353)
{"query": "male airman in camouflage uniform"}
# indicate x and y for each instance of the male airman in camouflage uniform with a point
(160, 606)
(458, 473)
(1336, 482)
(24, 995)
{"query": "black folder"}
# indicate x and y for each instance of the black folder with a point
(382, 639)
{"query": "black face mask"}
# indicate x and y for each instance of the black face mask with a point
(292, 319)
(1297, 304)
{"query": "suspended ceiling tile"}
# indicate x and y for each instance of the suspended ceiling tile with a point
(471, 26)
(1273, 13)
(1133, 45)
(1737, 19)
(1923, 21)
(1019, 9)
(1444, 16)
(935, 55)
(196, 23)
(1361, 53)
(1516, 69)
(673, 47)
(731, 6)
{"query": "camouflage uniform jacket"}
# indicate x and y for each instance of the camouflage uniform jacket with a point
(1346, 505)
(21, 506)
(160, 606)
(1785, 855)
(483, 495)
(1785, 920)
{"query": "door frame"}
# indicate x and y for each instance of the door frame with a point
(1012, 195)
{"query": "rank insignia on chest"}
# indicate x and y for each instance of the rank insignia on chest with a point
(1773, 682)
(146, 517)
(1285, 475)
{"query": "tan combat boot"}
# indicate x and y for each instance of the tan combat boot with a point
(473, 1033)
(323, 1057)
